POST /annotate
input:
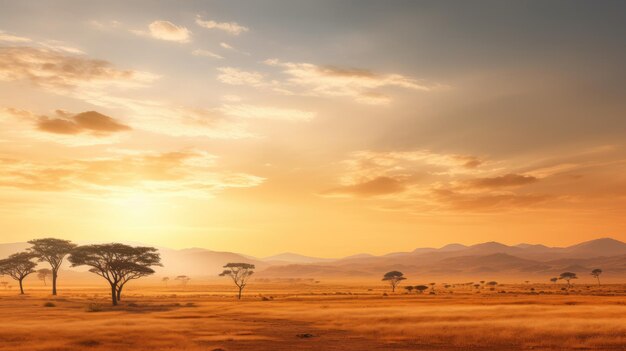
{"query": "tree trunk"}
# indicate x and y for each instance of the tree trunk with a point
(54, 282)
(239, 297)
(393, 288)
(21, 288)
(598, 277)
(113, 295)
(119, 292)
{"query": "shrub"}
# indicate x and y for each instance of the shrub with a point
(49, 304)
(94, 307)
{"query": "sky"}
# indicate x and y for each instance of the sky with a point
(326, 128)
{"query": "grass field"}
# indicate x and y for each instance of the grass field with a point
(315, 317)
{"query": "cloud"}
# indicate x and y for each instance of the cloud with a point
(206, 53)
(6, 37)
(507, 180)
(359, 84)
(189, 173)
(374, 187)
(266, 112)
(423, 180)
(488, 201)
(90, 121)
(166, 30)
(235, 76)
(60, 72)
(229, 27)
(226, 46)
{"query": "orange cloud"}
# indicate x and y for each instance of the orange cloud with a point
(506, 180)
(189, 172)
(90, 121)
(374, 187)
(60, 72)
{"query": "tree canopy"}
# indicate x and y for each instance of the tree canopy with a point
(53, 251)
(18, 266)
(394, 278)
(239, 273)
(117, 263)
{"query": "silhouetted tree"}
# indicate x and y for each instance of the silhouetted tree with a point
(53, 251)
(596, 273)
(165, 280)
(43, 273)
(432, 286)
(183, 279)
(554, 279)
(239, 273)
(567, 276)
(492, 283)
(409, 289)
(477, 286)
(18, 266)
(117, 263)
(421, 288)
(394, 278)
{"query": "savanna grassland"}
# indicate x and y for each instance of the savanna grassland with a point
(280, 316)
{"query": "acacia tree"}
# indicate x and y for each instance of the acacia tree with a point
(183, 279)
(165, 280)
(117, 263)
(394, 278)
(53, 251)
(596, 274)
(421, 288)
(43, 273)
(409, 288)
(239, 273)
(567, 276)
(554, 279)
(18, 266)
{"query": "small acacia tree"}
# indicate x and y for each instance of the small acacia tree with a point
(421, 288)
(239, 273)
(53, 251)
(554, 279)
(117, 263)
(394, 278)
(165, 280)
(596, 274)
(409, 288)
(183, 279)
(18, 266)
(43, 273)
(567, 276)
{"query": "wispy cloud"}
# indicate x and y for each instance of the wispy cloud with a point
(58, 71)
(166, 30)
(192, 173)
(266, 112)
(229, 27)
(236, 76)
(206, 53)
(7, 37)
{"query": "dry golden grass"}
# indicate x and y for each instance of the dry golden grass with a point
(315, 317)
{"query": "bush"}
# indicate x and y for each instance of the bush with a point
(94, 307)
(49, 304)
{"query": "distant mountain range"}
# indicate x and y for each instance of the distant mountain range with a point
(485, 260)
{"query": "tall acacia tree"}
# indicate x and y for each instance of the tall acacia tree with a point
(394, 278)
(567, 276)
(53, 251)
(239, 273)
(596, 274)
(18, 266)
(117, 263)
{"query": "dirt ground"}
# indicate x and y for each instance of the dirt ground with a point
(315, 317)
